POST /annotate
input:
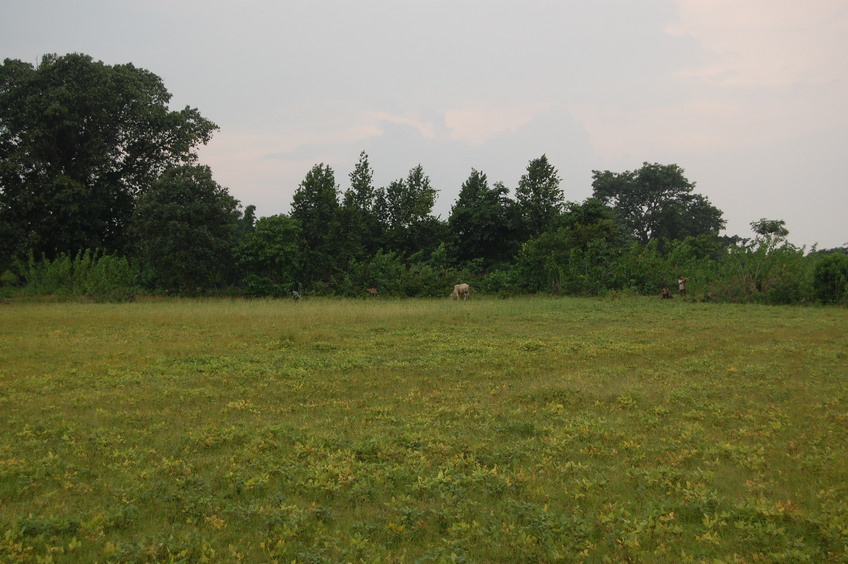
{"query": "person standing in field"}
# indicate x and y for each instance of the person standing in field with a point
(681, 285)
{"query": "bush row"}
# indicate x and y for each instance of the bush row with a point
(737, 273)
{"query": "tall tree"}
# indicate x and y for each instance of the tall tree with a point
(79, 141)
(315, 205)
(482, 223)
(539, 197)
(186, 227)
(360, 195)
(404, 208)
(655, 202)
(247, 222)
(360, 227)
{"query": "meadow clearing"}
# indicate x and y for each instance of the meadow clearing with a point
(519, 430)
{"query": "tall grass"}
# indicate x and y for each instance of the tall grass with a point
(93, 275)
(423, 430)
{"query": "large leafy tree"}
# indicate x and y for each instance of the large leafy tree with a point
(539, 197)
(656, 201)
(79, 141)
(186, 227)
(315, 206)
(482, 222)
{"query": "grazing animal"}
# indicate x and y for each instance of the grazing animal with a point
(461, 290)
(666, 293)
(372, 292)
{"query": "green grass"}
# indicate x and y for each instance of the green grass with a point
(546, 430)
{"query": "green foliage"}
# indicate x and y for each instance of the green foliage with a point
(830, 278)
(647, 268)
(483, 223)
(79, 140)
(361, 193)
(765, 274)
(539, 198)
(91, 157)
(186, 227)
(247, 221)
(576, 259)
(269, 258)
(382, 271)
(90, 274)
(503, 282)
(770, 232)
(655, 202)
(403, 208)
(393, 275)
(424, 279)
(315, 206)
(360, 229)
(644, 269)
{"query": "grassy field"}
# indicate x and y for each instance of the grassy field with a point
(534, 429)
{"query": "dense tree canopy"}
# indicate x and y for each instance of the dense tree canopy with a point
(79, 141)
(588, 223)
(482, 222)
(96, 171)
(656, 201)
(270, 256)
(185, 228)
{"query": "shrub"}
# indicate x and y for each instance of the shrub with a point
(109, 279)
(91, 274)
(503, 282)
(830, 279)
(764, 274)
(256, 286)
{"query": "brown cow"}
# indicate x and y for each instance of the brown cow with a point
(372, 292)
(461, 290)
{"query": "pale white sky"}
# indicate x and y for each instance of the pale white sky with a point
(750, 97)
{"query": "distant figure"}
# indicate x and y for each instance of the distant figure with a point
(372, 292)
(295, 295)
(681, 285)
(461, 290)
(666, 293)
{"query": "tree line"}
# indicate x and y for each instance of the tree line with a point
(101, 194)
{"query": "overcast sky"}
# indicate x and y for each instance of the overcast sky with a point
(749, 97)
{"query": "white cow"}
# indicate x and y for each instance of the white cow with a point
(461, 290)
